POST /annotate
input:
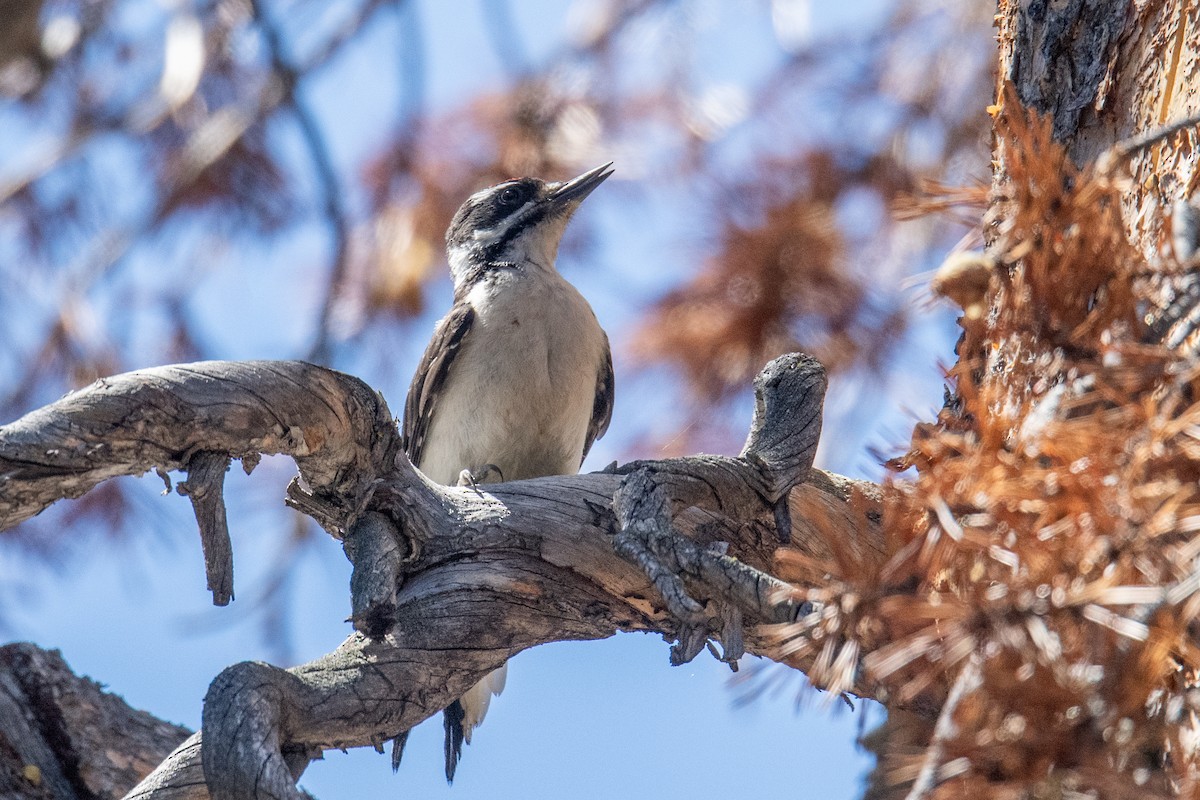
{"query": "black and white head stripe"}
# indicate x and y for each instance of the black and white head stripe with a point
(491, 219)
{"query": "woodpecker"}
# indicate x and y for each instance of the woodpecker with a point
(517, 381)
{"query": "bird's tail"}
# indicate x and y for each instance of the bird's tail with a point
(452, 721)
(465, 714)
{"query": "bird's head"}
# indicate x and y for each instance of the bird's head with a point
(516, 222)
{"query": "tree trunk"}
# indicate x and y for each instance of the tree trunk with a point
(62, 737)
(1105, 71)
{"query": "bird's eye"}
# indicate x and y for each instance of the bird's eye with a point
(510, 196)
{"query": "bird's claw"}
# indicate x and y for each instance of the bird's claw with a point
(488, 473)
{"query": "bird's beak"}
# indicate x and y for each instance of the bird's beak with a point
(571, 193)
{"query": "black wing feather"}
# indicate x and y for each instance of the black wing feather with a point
(602, 408)
(431, 378)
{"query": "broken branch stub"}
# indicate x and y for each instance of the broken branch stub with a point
(205, 486)
(377, 551)
(778, 455)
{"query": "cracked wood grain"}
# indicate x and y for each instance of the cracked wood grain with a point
(80, 742)
(338, 430)
(448, 582)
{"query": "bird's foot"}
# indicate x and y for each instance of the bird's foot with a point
(488, 473)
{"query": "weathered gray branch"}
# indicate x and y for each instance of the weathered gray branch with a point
(378, 551)
(448, 582)
(778, 455)
(338, 430)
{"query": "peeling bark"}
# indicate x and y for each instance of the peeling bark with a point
(1063, 57)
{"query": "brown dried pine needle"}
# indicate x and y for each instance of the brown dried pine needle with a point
(1052, 529)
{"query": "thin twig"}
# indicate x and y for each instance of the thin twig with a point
(327, 181)
(504, 38)
(412, 77)
(1122, 151)
(344, 33)
(968, 680)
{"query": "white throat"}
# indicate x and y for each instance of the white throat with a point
(538, 246)
(535, 249)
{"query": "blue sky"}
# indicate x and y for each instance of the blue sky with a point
(592, 720)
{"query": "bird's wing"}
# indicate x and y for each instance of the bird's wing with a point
(602, 407)
(431, 377)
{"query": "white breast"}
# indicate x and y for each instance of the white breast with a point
(525, 381)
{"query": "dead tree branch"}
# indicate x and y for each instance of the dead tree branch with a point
(339, 431)
(448, 582)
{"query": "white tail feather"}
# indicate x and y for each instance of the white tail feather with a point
(477, 699)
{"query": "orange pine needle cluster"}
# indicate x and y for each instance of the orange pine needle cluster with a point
(1039, 590)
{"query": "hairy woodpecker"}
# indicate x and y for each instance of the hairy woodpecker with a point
(517, 381)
